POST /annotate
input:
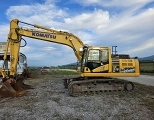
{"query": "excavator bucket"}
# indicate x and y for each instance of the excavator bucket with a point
(13, 88)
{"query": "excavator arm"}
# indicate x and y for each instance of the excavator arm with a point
(41, 33)
(10, 81)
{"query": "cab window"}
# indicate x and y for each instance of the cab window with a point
(93, 55)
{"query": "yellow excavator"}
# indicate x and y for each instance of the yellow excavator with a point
(98, 66)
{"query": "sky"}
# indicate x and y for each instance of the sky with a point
(127, 24)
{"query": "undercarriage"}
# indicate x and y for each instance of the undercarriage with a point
(85, 86)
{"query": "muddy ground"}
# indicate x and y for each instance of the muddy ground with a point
(49, 100)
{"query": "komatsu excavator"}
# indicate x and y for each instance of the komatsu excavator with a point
(97, 70)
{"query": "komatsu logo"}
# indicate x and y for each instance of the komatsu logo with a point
(44, 35)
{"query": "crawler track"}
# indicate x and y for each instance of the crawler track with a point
(80, 86)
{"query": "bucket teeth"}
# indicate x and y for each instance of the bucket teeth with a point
(7, 90)
(21, 85)
(13, 88)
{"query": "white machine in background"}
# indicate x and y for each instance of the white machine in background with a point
(22, 63)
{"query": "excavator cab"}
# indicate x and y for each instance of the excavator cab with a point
(93, 58)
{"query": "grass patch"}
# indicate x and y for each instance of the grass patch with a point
(61, 72)
(37, 72)
(151, 74)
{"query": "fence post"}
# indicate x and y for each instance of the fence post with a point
(153, 65)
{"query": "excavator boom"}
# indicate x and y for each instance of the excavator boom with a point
(11, 81)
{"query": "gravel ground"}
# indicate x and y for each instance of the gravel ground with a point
(50, 101)
(142, 79)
